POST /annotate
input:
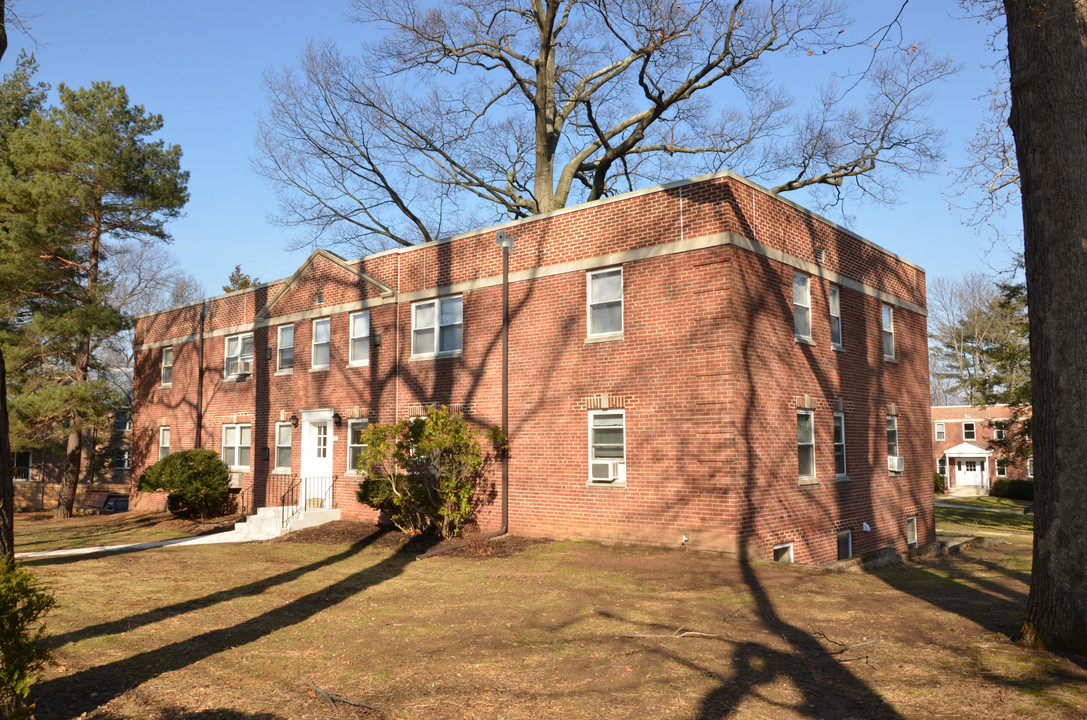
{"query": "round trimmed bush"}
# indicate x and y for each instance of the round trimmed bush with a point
(196, 481)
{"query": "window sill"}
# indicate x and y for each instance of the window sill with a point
(437, 356)
(808, 481)
(837, 348)
(281, 471)
(322, 368)
(610, 337)
(890, 360)
(287, 371)
(804, 340)
(358, 364)
(237, 468)
(616, 484)
(166, 385)
(841, 478)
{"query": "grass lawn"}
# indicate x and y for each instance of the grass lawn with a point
(986, 501)
(522, 629)
(957, 521)
(38, 531)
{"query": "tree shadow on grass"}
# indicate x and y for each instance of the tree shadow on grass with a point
(71, 695)
(132, 622)
(178, 713)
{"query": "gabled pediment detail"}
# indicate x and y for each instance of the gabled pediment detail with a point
(968, 449)
(311, 265)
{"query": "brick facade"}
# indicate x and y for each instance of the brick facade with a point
(706, 371)
(972, 424)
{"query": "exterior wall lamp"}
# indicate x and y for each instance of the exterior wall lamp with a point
(294, 421)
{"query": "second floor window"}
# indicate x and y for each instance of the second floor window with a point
(239, 355)
(360, 339)
(167, 366)
(969, 431)
(606, 302)
(834, 301)
(802, 306)
(321, 343)
(437, 326)
(940, 431)
(285, 348)
(888, 333)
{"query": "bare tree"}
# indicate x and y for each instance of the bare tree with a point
(489, 109)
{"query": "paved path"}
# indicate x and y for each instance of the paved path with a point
(230, 536)
(956, 506)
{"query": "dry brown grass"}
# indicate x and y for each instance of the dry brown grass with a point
(523, 629)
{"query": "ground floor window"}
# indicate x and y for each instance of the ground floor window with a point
(164, 442)
(120, 459)
(236, 439)
(355, 429)
(941, 466)
(283, 446)
(1002, 468)
(21, 462)
(805, 443)
(845, 544)
(607, 446)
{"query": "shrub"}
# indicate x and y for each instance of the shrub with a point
(195, 479)
(939, 483)
(424, 473)
(1015, 489)
(23, 651)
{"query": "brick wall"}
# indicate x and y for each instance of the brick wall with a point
(707, 371)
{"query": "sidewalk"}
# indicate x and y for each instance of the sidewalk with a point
(956, 506)
(230, 536)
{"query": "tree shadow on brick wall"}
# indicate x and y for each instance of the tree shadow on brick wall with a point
(80, 692)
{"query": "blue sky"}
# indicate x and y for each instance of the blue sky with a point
(199, 64)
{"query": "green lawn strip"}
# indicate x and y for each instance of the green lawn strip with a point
(956, 520)
(985, 501)
(35, 533)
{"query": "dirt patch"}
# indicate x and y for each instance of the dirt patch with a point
(351, 532)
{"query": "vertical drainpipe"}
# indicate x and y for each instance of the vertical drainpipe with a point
(200, 377)
(506, 243)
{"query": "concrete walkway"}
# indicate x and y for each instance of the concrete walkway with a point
(230, 536)
(956, 506)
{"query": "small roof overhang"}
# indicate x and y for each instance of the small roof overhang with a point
(968, 449)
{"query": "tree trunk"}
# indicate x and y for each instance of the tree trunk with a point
(1048, 57)
(7, 490)
(74, 457)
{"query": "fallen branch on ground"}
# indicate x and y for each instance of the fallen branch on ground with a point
(333, 699)
(679, 633)
(844, 648)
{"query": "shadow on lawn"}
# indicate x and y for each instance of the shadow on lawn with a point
(176, 713)
(80, 692)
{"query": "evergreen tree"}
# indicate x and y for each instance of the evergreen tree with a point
(84, 175)
(239, 280)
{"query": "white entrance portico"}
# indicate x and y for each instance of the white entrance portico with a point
(969, 466)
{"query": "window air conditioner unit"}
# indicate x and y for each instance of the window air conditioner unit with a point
(607, 472)
(896, 463)
(234, 481)
(244, 366)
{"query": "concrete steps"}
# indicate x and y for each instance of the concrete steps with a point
(268, 522)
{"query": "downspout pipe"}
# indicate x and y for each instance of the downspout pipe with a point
(200, 377)
(506, 243)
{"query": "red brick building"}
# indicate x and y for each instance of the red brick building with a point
(701, 360)
(962, 437)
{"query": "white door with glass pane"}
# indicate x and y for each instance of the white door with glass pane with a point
(316, 466)
(969, 471)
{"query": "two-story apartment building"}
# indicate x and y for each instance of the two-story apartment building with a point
(963, 450)
(701, 361)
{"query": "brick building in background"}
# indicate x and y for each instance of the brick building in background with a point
(699, 360)
(962, 437)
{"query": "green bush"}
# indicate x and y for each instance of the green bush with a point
(1014, 489)
(939, 483)
(23, 650)
(424, 473)
(196, 481)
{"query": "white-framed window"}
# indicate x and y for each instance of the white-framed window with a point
(283, 446)
(236, 439)
(892, 436)
(120, 459)
(322, 343)
(834, 303)
(888, 332)
(605, 299)
(359, 352)
(437, 326)
(355, 429)
(1030, 468)
(911, 533)
(941, 466)
(805, 443)
(164, 441)
(21, 462)
(167, 366)
(1001, 467)
(801, 305)
(607, 446)
(845, 544)
(783, 553)
(998, 434)
(839, 444)
(122, 420)
(239, 355)
(969, 431)
(285, 348)
(940, 431)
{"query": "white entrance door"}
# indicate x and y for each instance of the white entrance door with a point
(968, 471)
(316, 490)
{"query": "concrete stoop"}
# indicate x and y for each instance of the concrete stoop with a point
(268, 522)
